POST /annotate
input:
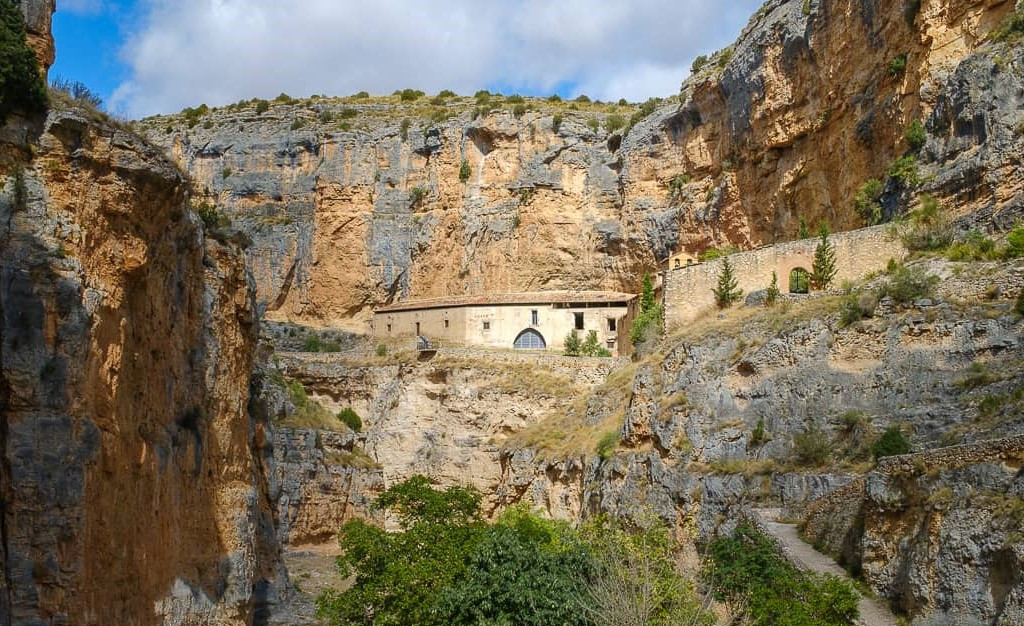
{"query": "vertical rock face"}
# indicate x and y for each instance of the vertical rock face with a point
(353, 203)
(132, 484)
(37, 26)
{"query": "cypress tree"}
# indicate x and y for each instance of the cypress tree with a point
(727, 292)
(823, 272)
(771, 296)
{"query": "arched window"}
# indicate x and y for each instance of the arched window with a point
(799, 281)
(530, 339)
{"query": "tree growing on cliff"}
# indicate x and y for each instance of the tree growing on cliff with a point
(21, 85)
(650, 322)
(823, 270)
(727, 292)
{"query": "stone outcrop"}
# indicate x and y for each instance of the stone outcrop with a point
(936, 534)
(133, 486)
(38, 14)
(353, 203)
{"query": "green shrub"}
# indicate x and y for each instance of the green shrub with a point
(519, 110)
(382, 350)
(582, 99)
(749, 568)
(929, 228)
(403, 129)
(699, 63)
(593, 124)
(898, 65)
(812, 448)
(717, 253)
(416, 194)
(447, 93)
(21, 84)
(1015, 242)
(573, 344)
(212, 217)
(759, 435)
(906, 285)
(1012, 28)
(892, 443)
(464, 171)
(262, 106)
(904, 169)
(297, 124)
(853, 420)
(515, 99)
(772, 294)
(807, 7)
(614, 123)
(361, 95)
(916, 135)
(867, 201)
(410, 95)
(727, 292)
(554, 98)
(350, 418)
(556, 122)
(974, 247)
(606, 445)
(857, 306)
(285, 98)
(348, 113)
(312, 343)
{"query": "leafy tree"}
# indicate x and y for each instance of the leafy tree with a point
(823, 269)
(772, 294)
(398, 576)
(867, 201)
(749, 567)
(892, 443)
(651, 319)
(21, 85)
(573, 345)
(524, 571)
(727, 292)
(635, 582)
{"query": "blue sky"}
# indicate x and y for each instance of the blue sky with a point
(158, 56)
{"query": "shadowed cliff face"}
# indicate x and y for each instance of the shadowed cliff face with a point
(786, 124)
(37, 27)
(132, 484)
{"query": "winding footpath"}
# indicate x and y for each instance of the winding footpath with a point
(872, 611)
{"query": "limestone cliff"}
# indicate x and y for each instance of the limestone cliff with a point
(355, 202)
(132, 483)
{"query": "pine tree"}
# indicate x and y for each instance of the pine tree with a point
(772, 294)
(823, 272)
(728, 290)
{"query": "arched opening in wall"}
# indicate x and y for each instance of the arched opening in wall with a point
(799, 280)
(530, 339)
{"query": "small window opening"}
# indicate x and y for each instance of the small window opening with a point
(534, 318)
(446, 323)
(612, 323)
(389, 328)
(417, 328)
(579, 320)
(487, 325)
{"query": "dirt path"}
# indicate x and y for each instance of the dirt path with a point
(872, 611)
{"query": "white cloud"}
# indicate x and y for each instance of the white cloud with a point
(185, 52)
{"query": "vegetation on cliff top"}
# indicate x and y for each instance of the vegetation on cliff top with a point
(21, 85)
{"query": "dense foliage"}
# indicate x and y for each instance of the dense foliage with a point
(21, 86)
(650, 322)
(748, 569)
(446, 566)
(824, 270)
(892, 443)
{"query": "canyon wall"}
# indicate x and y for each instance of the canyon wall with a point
(352, 203)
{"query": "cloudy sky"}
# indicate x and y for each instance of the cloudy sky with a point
(158, 56)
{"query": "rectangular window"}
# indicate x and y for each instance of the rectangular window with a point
(611, 324)
(389, 328)
(534, 318)
(417, 328)
(446, 323)
(579, 320)
(487, 325)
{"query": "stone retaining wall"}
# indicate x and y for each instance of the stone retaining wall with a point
(688, 290)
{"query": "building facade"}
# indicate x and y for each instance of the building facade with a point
(522, 321)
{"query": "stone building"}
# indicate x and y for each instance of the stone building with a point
(522, 321)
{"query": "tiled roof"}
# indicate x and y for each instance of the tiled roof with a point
(536, 297)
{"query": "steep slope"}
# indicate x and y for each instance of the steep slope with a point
(132, 479)
(355, 202)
